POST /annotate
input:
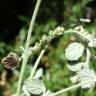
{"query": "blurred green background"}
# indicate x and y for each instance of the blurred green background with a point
(15, 17)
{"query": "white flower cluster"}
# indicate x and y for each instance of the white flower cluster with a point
(45, 40)
(86, 35)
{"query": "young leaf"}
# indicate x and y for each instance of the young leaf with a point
(38, 73)
(74, 51)
(34, 86)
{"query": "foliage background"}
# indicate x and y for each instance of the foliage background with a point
(14, 21)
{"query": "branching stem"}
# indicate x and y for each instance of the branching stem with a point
(71, 88)
(37, 63)
(25, 59)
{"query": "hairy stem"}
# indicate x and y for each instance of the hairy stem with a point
(82, 34)
(25, 59)
(37, 63)
(88, 57)
(71, 88)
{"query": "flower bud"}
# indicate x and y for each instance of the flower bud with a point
(10, 61)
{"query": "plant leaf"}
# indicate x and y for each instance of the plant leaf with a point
(34, 86)
(75, 67)
(38, 73)
(74, 51)
(84, 75)
(87, 74)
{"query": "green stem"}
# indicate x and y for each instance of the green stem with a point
(37, 63)
(71, 88)
(25, 59)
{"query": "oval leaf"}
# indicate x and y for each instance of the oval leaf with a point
(74, 51)
(75, 67)
(38, 73)
(87, 74)
(34, 86)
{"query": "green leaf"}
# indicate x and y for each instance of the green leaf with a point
(34, 86)
(74, 51)
(38, 73)
(75, 67)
